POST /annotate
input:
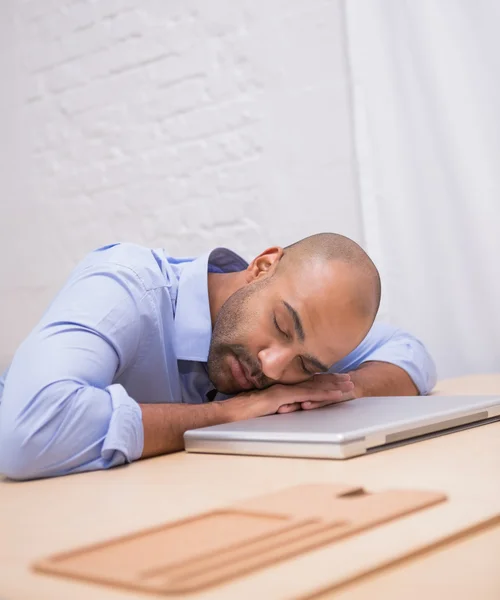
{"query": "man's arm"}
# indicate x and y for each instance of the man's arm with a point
(60, 411)
(382, 379)
(389, 362)
(165, 424)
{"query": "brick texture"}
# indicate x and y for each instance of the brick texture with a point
(184, 125)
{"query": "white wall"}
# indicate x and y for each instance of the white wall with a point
(184, 125)
(427, 92)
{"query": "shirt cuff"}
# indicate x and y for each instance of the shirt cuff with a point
(125, 432)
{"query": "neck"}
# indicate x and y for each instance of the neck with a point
(220, 287)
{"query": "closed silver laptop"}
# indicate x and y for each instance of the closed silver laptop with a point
(347, 429)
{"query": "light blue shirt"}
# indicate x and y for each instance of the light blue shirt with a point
(131, 325)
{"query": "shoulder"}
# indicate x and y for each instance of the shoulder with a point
(148, 266)
(379, 333)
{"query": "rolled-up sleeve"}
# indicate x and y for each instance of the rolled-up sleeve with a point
(385, 343)
(60, 411)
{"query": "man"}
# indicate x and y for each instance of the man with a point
(138, 347)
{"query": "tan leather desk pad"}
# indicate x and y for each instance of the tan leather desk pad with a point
(192, 554)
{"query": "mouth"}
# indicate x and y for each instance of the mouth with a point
(239, 373)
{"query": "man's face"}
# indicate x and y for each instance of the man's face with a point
(284, 328)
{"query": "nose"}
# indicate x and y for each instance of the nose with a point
(274, 361)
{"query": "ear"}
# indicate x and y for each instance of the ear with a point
(265, 264)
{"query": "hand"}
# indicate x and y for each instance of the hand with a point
(339, 382)
(317, 391)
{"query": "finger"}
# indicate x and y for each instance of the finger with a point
(308, 405)
(313, 405)
(346, 386)
(287, 408)
(317, 395)
(325, 384)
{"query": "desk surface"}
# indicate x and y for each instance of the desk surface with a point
(462, 570)
(43, 517)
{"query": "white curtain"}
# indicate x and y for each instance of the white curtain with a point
(426, 96)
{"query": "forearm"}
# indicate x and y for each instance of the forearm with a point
(382, 379)
(164, 424)
(387, 345)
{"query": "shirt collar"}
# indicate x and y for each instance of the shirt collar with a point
(193, 325)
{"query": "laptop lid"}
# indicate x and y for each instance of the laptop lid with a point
(344, 429)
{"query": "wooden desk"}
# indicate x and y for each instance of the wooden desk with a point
(464, 570)
(42, 517)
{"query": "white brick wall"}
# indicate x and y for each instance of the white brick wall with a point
(181, 124)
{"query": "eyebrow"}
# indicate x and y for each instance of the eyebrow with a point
(299, 330)
(297, 323)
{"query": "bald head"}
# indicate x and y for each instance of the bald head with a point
(292, 312)
(335, 248)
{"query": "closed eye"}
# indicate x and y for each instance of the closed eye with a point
(303, 367)
(281, 332)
